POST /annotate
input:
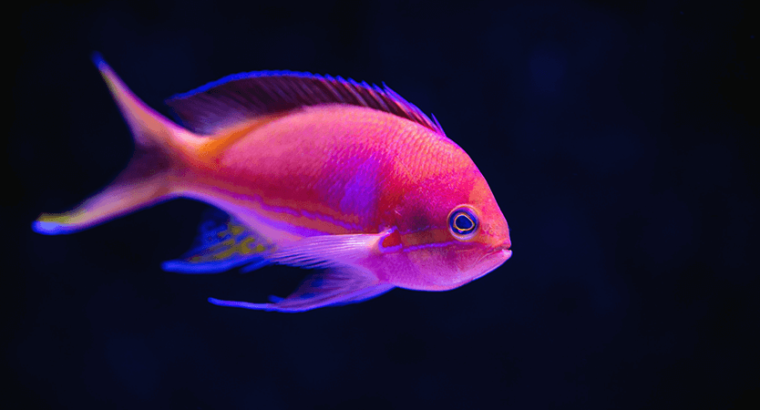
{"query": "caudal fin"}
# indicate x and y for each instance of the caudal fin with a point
(160, 146)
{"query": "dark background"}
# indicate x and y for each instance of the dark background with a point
(617, 136)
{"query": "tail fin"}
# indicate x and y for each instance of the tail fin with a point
(160, 146)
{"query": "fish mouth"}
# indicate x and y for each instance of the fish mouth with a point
(492, 260)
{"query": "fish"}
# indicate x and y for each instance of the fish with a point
(306, 170)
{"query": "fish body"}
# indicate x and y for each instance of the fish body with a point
(313, 172)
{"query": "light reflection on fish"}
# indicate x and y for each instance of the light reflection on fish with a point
(312, 171)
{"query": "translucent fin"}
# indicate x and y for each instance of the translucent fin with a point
(329, 250)
(329, 288)
(144, 182)
(147, 125)
(240, 97)
(222, 244)
(121, 197)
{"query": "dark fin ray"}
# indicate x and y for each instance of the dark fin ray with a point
(239, 97)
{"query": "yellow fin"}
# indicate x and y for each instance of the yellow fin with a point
(222, 244)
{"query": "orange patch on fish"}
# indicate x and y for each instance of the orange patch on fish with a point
(311, 171)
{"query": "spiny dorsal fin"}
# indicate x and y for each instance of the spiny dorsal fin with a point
(239, 97)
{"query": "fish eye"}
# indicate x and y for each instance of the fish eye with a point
(463, 222)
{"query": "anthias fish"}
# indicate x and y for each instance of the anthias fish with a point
(311, 171)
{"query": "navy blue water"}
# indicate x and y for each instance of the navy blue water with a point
(617, 138)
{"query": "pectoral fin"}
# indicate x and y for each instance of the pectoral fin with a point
(328, 288)
(329, 250)
(344, 281)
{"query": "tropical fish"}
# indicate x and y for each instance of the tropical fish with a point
(311, 171)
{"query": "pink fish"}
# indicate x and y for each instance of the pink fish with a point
(312, 171)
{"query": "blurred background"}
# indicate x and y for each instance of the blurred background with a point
(619, 138)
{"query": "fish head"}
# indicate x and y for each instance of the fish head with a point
(452, 231)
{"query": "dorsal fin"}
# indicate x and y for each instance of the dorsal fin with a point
(239, 97)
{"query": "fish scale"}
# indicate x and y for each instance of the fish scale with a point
(310, 171)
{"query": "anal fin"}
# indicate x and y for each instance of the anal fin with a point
(222, 244)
